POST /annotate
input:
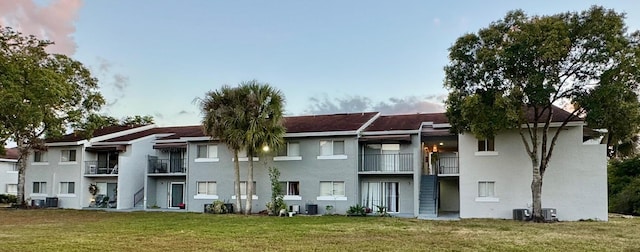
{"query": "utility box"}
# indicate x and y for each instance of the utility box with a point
(38, 203)
(549, 214)
(312, 209)
(51, 202)
(521, 214)
(294, 208)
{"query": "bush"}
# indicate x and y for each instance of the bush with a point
(217, 207)
(624, 186)
(356, 210)
(8, 199)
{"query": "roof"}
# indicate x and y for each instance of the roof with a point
(559, 115)
(11, 153)
(405, 122)
(327, 123)
(186, 131)
(149, 132)
(78, 136)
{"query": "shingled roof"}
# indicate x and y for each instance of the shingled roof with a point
(10, 153)
(78, 136)
(405, 122)
(177, 130)
(327, 123)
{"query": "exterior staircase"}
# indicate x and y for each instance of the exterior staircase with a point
(428, 196)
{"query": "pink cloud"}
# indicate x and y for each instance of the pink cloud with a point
(55, 21)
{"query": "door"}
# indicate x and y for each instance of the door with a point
(175, 161)
(176, 194)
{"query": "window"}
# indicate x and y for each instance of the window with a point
(290, 150)
(40, 187)
(67, 187)
(331, 188)
(40, 156)
(207, 187)
(243, 188)
(486, 144)
(207, 151)
(290, 187)
(12, 188)
(486, 189)
(331, 148)
(68, 156)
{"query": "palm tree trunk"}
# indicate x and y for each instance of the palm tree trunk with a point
(236, 170)
(250, 188)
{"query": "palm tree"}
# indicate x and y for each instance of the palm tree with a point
(223, 111)
(263, 113)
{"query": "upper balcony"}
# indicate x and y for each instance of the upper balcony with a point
(99, 169)
(447, 165)
(166, 167)
(401, 163)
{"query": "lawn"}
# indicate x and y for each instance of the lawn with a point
(69, 230)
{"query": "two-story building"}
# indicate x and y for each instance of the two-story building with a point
(9, 171)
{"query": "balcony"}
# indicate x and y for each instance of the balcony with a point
(100, 168)
(167, 166)
(386, 163)
(448, 165)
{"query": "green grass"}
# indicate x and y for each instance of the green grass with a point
(70, 230)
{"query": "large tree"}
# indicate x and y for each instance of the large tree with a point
(511, 74)
(41, 94)
(264, 105)
(223, 111)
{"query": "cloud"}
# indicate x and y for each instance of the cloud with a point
(184, 112)
(158, 115)
(117, 81)
(120, 82)
(350, 104)
(436, 21)
(54, 21)
(104, 65)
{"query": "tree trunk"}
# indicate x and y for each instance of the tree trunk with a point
(236, 170)
(250, 188)
(536, 194)
(23, 153)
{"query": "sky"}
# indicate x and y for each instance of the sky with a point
(156, 57)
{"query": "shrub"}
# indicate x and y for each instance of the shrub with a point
(624, 186)
(356, 210)
(217, 207)
(8, 198)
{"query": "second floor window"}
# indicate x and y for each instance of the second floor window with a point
(289, 150)
(39, 156)
(68, 156)
(331, 147)
(207, 151)
(487, 144)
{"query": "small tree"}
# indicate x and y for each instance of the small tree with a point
(511, 74)
(277, 196)
(41, 94)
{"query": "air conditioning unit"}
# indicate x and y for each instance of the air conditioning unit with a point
(549, 214)
(294, 208)
(521, 214)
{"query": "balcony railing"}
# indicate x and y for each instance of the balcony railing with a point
(390, 163)
(160, 166)
(95, 167)
(448, 165)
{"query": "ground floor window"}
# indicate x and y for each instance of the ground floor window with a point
(383, 194)
(486, 189)
(207, 187)
(67, 187)
(40, 187)
(332, 188)
(290, 187)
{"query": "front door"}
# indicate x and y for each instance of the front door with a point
(176, 194)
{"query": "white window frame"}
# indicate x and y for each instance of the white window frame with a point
(211, 153)
(42, 158)
(485, 150)
(289, 156)
(12, 191)
(333, 150)
(333, 196)
(65, 185)
(42, 188)
(489, 189)
(243, 184)
(206, 195)
(286, 191)
(65, 156)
